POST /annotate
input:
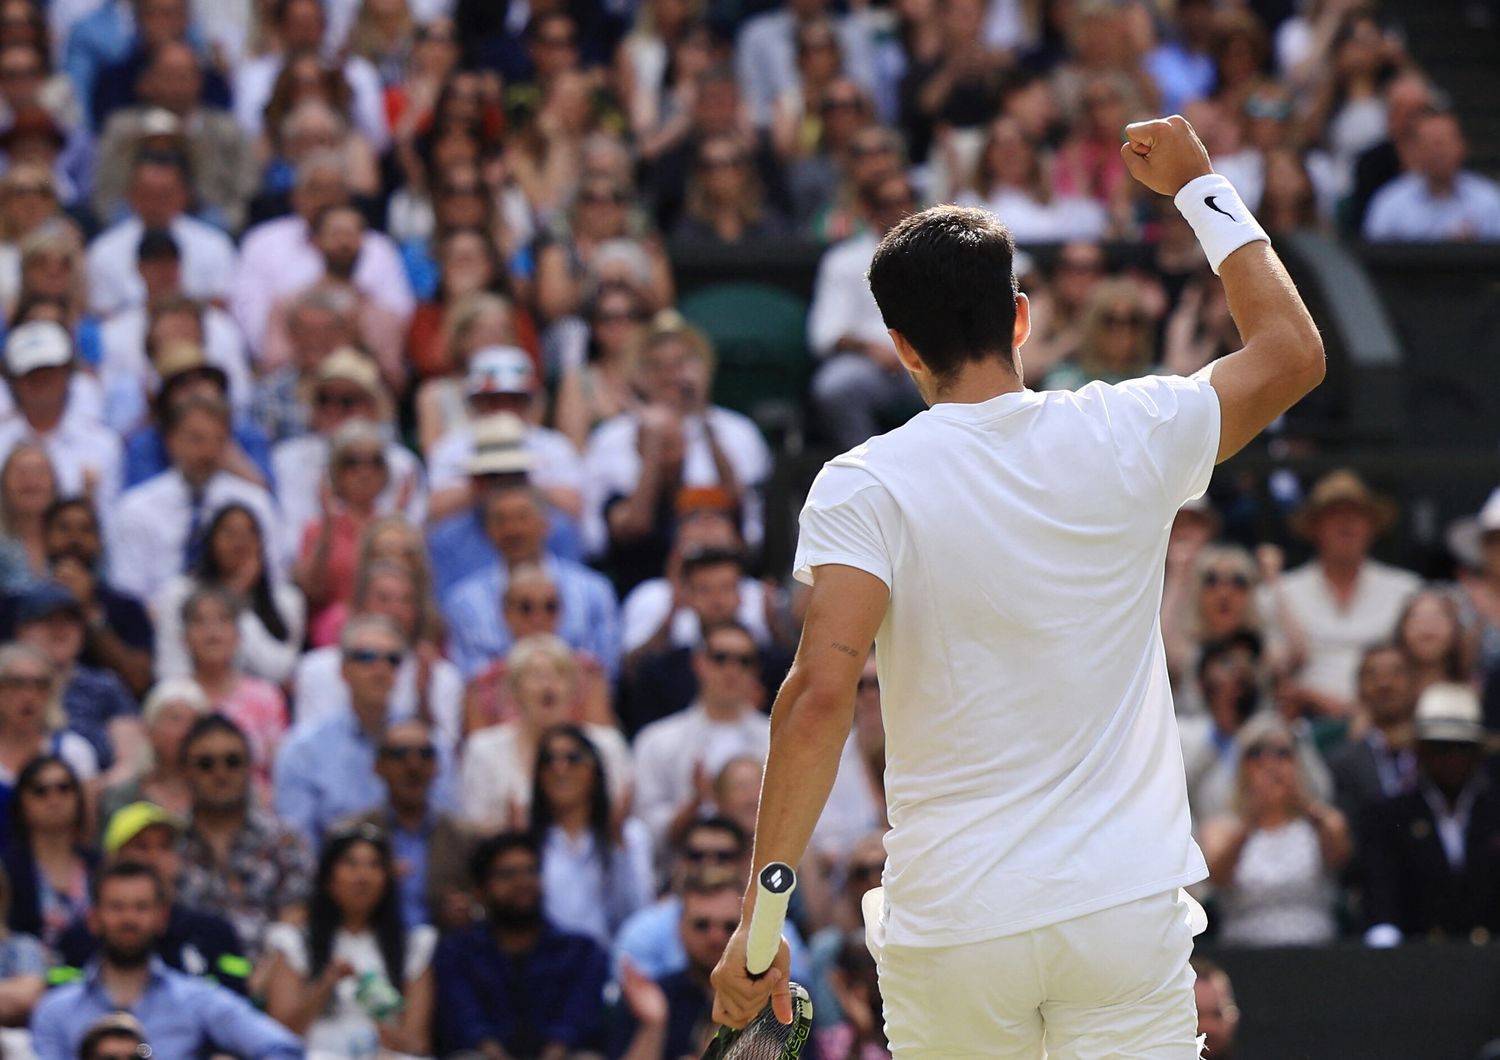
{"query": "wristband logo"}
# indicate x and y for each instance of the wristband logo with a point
(1208, 200)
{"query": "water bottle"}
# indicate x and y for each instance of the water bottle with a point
(378, 997)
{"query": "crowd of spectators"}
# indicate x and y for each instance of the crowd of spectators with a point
(386, 641)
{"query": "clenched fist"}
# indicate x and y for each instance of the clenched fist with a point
(1164, 154)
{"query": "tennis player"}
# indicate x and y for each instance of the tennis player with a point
(1004, 552)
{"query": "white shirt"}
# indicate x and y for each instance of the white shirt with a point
(841, 302)
(1033, 769)
(1337, 636)
(558, 465)
(85, 398)
(256, 78)
(277, 258)
(1406, 209)
(668, 751)
(300, 466)
(1060, 220)
(80, 448)
(148, 536)
(319, 692)
(579, 897)
(128, 376)
(612, 466)
(494, 779)
(208, 262)
(766, 59)
(259, 655)
(646, 606)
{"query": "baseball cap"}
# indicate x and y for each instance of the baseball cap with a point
(39, 344)
(44, 601)
(1449, 713)
(500, 370)
(500, 446)
(130, 821)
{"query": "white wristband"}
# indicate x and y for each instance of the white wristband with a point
(1220, 220)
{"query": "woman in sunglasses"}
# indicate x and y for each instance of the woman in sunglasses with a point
(1119, 337)
(354, 981)
(1276, 857)
(596, 862)
(48, 863)
(32, 721)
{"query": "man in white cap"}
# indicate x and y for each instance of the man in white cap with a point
(1431, 858)
(39, 370)
(502, 379)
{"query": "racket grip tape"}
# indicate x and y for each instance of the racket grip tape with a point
(773, 892)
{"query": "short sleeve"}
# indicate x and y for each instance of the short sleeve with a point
(1175, 420)
(288, 940)
(849, 518)
(421, 941)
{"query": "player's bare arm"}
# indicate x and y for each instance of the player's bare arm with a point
(810, 721)
(1282, 358)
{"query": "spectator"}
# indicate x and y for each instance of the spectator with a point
(816, 181)
(266, 611)
(308, 113)
(239, 862)
(1183, 66)
(1275, 861)
(1431, 632)
(1431, 857)
(326, 771)
(156, 532)
(279, 257)
(515, 522)
(471, 323)
(158, 196)
(319, 321)
(427, 686)
(820, 62)
(596, 862)
(355, 979)
(28, 487)
(46, 859)
(562, 1011)
(1199, 329)
(1407, 97)
(599, 387)
(856, 804)
(118, 634)
(860, 1033)
(677, 756)
(859, 376)
(23, 968)
(431, 847)
(191, 941)
(1218, 1016)
(181, 1014)
(346, 387)
(158, 23)
(1343, 599)
(97, 705)
(725, 203)
(855, 875)
(28, 204)
(766, 53)
(1058, 308)
(32, 721)
(469, 274)
(168, 713)
(170, 93)
(1011, 182)
(1381, 763)
(39, 364)
(117, 1036)
(1436, 199)
(498, 765)
(1117, 343)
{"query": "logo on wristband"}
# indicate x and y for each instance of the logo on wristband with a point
(1208, 200)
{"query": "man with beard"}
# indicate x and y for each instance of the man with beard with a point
(479, 1007)
(183, 1015)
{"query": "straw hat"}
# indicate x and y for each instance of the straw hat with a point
(1343, 487)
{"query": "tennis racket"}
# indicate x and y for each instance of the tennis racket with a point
(766, 1037)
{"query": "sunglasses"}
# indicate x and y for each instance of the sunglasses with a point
(565, 41)
(463, 189)
(30, 189)
(723, 658)
(1213, 579)
(866, 150)
(59, 787)
(369, 656)
(1260, 751)
(341, 402)
(369, 460)
(571, 758)
(232, 761)
(536, 607)
(617, 317)
(865, 872)
(611, 198)
(1124, 320)
(15, 73)
(838, 103)
(36, 684)
(721, 163)
(702, 925)
(517, 872)
(1064, 265)
(718, 857)
(423, 753)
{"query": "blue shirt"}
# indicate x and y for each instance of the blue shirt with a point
(326, 772)
(184, 1017)
(1406, 210)
(459, 547)
(589, 620)
(146, 454)
(409, 846)
(555, 993)
(652, 939)
(92, 699)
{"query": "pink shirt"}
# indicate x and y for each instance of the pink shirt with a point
(258, 707)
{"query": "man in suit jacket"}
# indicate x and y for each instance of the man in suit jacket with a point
(1382, 763)
(1432, 856)
(431, 848)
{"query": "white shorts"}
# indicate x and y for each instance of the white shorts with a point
(1112, 985)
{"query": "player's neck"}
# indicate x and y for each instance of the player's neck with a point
(978, 381)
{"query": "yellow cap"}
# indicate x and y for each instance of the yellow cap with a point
(130, 821)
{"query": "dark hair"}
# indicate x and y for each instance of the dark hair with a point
(115, 1025)
(704, 558)
(62, 504)
(718, 824)
(130, 870)
(944, 278)
(534, 25)
(166, 159)
(156, 244)
(325, 212)
(324, 916)
(720, 627)
(496, 846)
(261, 603)
(207, 725)
(599, 815)
(20, 831)
(174, 412)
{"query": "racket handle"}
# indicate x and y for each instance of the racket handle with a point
(773, 891)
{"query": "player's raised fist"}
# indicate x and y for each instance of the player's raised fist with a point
(1164, 154)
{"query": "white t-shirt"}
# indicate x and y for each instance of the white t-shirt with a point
(1033, 768)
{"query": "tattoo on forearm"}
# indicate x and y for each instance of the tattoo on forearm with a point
(851, 652)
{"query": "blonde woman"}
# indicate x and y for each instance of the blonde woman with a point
(1118, 342)
(473, 322)
(1276, 857)
(28, 486)
(169, 711)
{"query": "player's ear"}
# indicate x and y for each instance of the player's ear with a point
(907, 353)
(1022, 330)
